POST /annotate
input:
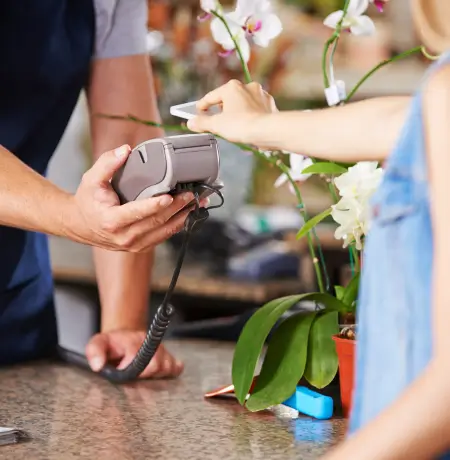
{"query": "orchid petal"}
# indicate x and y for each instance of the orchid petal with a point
(271, 27)
(333, 19)
(362, 25)
(247, 8)
(209, 5)
(357, 7)
(281, 180)
(244, 46)
(221, 35)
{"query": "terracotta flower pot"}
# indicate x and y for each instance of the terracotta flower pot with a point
(345, 349)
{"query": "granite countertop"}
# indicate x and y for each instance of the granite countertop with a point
(70, 413)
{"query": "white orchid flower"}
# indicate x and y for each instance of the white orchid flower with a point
(360, 181)
(208, 6)
(253, 20)
(354, 20)
(235, 35)
(379, 4)
(297, 164)
(258, 20)
(352, 212)
(352, 217)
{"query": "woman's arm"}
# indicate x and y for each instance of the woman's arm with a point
(417, 425)
(358, 131)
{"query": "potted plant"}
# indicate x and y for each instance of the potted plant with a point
(311, 345)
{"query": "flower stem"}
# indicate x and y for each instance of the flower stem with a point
(356, 259)
(329, 42)
(304, 213)
(285, 170)
(248, 78)
(379, 66)
(274, 161)
(146, 122)
(281, 166)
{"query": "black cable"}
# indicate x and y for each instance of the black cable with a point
(217, 192)
(165, 311)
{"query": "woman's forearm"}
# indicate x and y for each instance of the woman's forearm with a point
(28, 200)
(416, 426)
(359, 131)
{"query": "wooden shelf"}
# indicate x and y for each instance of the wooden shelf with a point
(395, 79)
(73, 263)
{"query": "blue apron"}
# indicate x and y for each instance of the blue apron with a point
(395, 339)
(46, 48)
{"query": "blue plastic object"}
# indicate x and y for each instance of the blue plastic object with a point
(311, 403)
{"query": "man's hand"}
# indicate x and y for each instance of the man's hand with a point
(137, 226)
(241, 105)
(120, 347)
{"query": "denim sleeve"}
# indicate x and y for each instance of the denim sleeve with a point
(121, 28)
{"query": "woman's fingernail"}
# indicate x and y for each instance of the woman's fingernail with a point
(165, 201)
(96, 363)
(122, 151)
(191, 124)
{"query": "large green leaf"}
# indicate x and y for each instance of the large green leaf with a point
(253, 336)
(351, 291)
(311, 223)
(340, 290)
(324, 168)
(322, 362)
(284, 363)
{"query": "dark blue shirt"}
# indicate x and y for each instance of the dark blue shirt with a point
(45, 54)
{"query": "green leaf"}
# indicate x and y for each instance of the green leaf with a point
(311, 223)
(351, 291)
(322, 362)
(324, 168)
(345, 165)
(339, 291)
(251, 341)
(284, 363)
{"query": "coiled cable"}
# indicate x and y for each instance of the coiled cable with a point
(161, 320)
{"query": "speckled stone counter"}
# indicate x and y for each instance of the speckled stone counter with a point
(70, 413)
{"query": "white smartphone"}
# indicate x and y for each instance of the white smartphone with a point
(189, 110)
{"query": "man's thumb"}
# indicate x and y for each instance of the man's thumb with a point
(96, 352)
(108, 163)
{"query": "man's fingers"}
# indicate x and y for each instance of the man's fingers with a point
(107, 164)
(151, 212)
(97, 351)
(135, 211)
(161, 234)
(163, 366)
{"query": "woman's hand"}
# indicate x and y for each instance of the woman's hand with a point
(241, 106)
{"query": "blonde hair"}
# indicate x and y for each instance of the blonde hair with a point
(432, 20)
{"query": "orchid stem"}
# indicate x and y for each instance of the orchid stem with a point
(281, 166)
(356, 259)
(248, 78)
(379, 66)
(329, 42)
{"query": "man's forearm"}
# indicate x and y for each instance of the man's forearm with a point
(29, 201)
(121, 86)
(359, 131)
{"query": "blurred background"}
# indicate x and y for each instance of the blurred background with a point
(247, 253)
